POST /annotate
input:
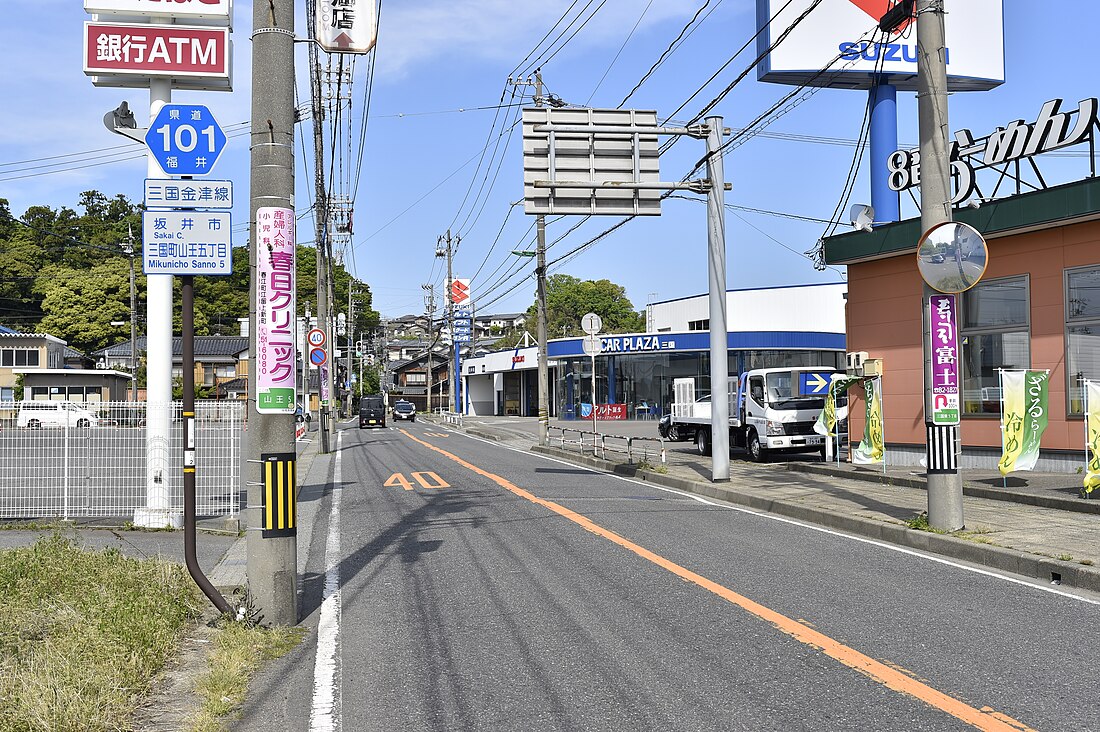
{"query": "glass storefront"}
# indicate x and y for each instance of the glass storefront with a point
(643, 381)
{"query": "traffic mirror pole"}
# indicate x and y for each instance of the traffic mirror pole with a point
(945, 508)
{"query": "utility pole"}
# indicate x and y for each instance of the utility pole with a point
(320, 219)
(945, 509)
(272, 560)
(540, 275)
(445, 248)
(429, 307)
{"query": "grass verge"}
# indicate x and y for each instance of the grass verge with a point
(84, 633)
(238, 651)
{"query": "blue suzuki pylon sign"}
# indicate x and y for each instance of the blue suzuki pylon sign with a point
(185, 139)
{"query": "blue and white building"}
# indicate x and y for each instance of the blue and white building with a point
(768, 327)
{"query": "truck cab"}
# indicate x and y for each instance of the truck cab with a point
(770, 410)
(774, 412)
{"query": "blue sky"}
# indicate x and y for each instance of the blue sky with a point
(421, 156)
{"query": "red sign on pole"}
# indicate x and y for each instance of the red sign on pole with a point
(156, 50)
(460, 291)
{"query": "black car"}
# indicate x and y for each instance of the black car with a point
(673, 432)
(372, 412)
(404, 410)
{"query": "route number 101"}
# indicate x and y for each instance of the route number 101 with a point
(186, 137)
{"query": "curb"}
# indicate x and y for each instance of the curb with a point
(1043, 569)
(1076, 505)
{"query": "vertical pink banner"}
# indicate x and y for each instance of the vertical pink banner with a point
(275, 308)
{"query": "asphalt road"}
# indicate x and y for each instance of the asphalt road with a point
(488, 589)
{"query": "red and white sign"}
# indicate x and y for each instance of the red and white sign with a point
(609, 412)
(460, 291)
(175, 8)
(316, 337)
(156, 50)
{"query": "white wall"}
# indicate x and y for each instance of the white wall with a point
(480, 394)
(815, 308)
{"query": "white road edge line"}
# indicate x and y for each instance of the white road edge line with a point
(324, 714)
(795, 522)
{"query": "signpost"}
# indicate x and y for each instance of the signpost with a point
(185, 139)
(186, 242)
(346, 26)
(814, 383)
(276, 294)
(171, 193)
(592, 348)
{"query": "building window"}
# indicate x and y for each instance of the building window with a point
(699, 324)
(1082, 332)
(13, 357)
(416, 379)
(995, 335)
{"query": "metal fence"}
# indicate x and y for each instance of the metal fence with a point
(600, 444)
(91, 460)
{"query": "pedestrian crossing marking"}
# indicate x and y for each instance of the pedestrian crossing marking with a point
(436, 434)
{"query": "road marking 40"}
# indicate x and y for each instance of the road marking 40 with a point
(426, 479)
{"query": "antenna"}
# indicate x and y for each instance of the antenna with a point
(862, 216)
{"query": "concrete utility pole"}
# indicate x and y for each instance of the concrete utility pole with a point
(445, 248)
(719, 347)
(540, 328)
(272, 561)
(320, 218)
(945, 509)
(349, 332)
(429, 308)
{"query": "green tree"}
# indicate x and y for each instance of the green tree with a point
(79, 304)
(569, 298)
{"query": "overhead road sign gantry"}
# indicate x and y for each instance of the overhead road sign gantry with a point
(185, 139)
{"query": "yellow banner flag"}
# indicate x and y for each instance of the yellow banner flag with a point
(1092, 427)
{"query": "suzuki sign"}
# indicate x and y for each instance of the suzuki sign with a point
(843, 37)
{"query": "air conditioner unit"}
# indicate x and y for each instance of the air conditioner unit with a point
(872, 367)
(855, 363)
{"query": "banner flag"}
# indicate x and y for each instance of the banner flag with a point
(1092, 427)
(871, 448)
(830, 415)
(1024, 416)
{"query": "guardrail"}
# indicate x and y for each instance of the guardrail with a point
(600, 445)
(454, 418)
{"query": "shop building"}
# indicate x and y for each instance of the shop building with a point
(768, 327)
(1036, 307)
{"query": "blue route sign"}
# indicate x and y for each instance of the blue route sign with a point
(185, 139)
(814, 383)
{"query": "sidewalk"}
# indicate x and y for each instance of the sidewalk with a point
(1036, 527)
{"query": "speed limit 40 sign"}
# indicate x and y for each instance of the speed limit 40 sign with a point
(185, 139)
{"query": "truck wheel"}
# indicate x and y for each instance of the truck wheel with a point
(702, 441)
(756, 450)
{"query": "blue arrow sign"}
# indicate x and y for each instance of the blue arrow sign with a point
(814, 383)
(185, 139)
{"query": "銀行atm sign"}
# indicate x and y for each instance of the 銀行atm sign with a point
(156, 50)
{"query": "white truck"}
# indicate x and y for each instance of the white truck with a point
(770, 410)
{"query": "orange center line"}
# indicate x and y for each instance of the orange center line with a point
(984, 719)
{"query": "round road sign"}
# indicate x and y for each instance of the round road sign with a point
(316, 337)
(592, 346)
(317, 356)
(591, 323)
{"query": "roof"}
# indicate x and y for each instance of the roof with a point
(1062, 205)
(212, 345)
(750, 289)
(9, 333)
